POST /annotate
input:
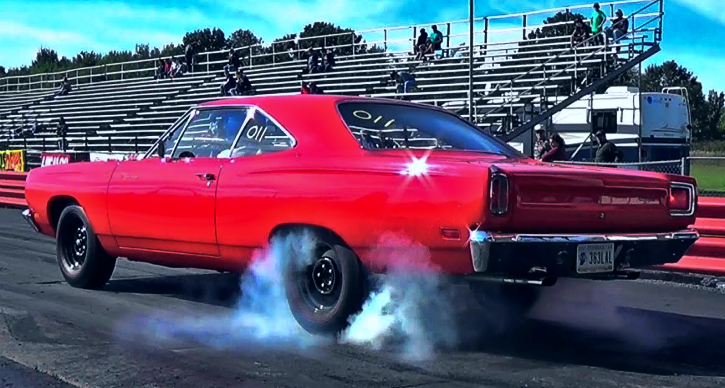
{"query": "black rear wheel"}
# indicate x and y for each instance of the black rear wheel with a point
(82, 260)
(327, 289)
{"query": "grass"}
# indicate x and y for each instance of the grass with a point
(710, 174)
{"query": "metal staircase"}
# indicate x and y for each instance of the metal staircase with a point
(510, 120)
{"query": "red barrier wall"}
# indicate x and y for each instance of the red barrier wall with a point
(707, 256)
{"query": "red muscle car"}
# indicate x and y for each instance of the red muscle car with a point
(230, 175)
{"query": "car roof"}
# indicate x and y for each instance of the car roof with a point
(312, 119)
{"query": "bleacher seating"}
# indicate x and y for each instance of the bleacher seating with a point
(511, 79)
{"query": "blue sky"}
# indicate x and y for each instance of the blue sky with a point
(693, 34)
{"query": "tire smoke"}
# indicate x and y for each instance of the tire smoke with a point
(411, 308)
(408, 310)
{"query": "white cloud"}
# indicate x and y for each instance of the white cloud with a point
(711, 9)
(10, 29)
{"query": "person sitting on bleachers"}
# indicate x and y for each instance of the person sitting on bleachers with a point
(304, 88)
(178, 68)
(435, 41)
(421, 45)
(233, 62)
(244, 86)
(167, 67)
(229, 85)
(328, 60)
(619, 28)
(314, 89)
(580, 34)
(404, 81)
(312, 61)
(160, 69)
(65, 87)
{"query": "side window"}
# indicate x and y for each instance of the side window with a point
(170, 139)
(261, 135)
(211, 133)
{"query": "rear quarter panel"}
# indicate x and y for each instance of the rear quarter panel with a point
(86, 183)
(364, 199)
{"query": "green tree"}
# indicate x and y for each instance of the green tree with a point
(2, 71)
(712, 119)
(247, 44)
(206, 40)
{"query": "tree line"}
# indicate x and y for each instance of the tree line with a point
(47, 60)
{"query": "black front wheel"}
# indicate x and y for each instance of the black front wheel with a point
(326, 289)
(82, 260)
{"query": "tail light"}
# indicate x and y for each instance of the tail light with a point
(682, 199)
(499, 193)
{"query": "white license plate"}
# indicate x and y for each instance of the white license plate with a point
(595, 258)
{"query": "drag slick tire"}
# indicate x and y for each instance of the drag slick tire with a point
(327, 290)
(82, 260)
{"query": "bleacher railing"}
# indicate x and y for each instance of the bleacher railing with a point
(391, 40)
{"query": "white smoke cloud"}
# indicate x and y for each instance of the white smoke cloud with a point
(409, 311)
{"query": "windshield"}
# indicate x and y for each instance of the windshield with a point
(379, 125)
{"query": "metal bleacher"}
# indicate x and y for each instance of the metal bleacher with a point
(517, 80)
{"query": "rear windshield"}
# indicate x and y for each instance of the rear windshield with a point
(389, 126)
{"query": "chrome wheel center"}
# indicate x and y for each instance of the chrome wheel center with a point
(324, 276)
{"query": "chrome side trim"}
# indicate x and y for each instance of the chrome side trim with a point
(481, 241)
(691, 190)
(28, 215)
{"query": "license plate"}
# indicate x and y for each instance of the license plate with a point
(595, 258)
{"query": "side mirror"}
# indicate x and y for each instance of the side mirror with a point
(161, 149)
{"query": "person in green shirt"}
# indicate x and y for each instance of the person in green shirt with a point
(598, 19)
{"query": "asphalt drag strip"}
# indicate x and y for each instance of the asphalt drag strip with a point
(581, 334)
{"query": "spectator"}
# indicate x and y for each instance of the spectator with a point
(304, 88)
(65, 87)
(244, 86)
(189, 56)
(233, 62)
(168, 67)
(229, 85)
(328, 60)
(312, 61)
(619, 28)
(62, 132)
(558, 149)
(598, 20)
(404, 81)
(435, 41)
(607, 151)
(160, 66)
(314, 89)
(580, 34)
(421, 45)
(179, 68)
(542, 146)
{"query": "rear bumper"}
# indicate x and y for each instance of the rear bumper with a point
(556, 255)
(30, 218)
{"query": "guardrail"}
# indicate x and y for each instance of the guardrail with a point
(707, 256)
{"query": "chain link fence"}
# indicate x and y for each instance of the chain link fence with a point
(708, 170)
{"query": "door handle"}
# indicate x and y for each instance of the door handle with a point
(205, 176)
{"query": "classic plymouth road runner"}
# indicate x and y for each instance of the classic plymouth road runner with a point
(230, 175)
